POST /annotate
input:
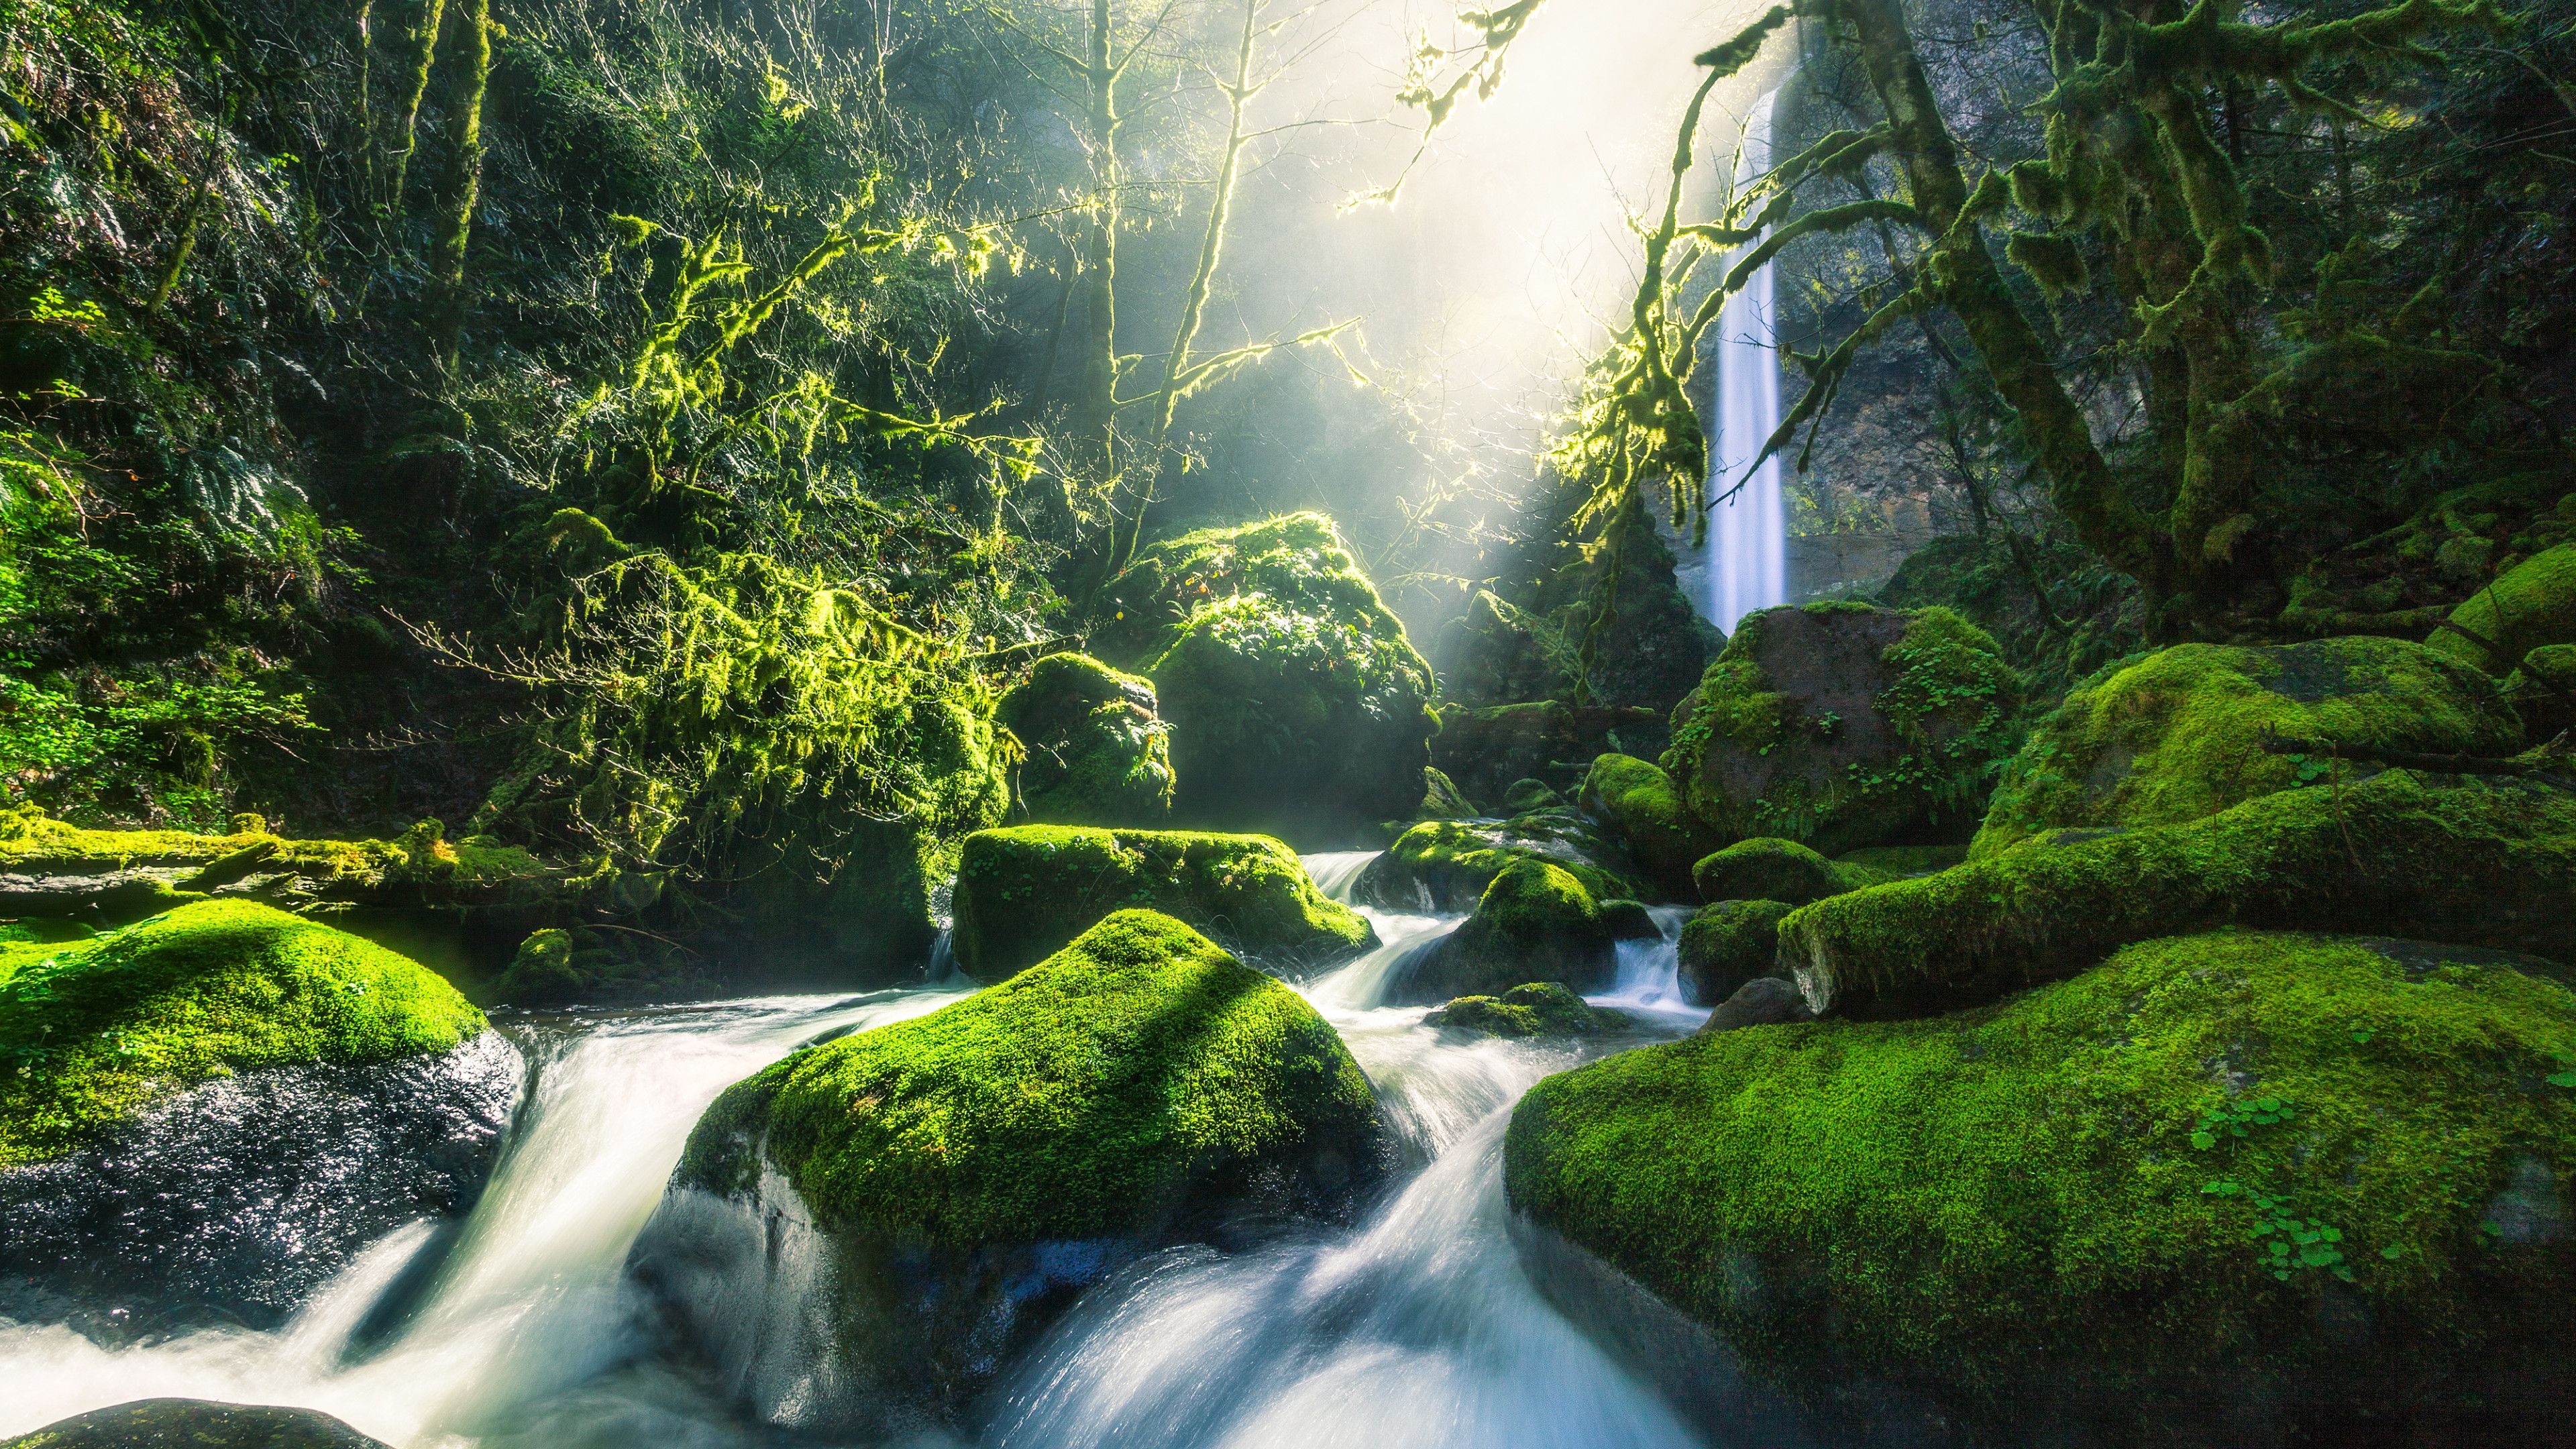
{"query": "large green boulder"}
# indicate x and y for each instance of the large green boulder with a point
(1097, 753)
(1766, 869)
(2530, 605)
(1534, 922)
(2227, 1189)
(1727, 944)
(2488, 864)
(1297, 705)
(205, 1115)
(1445, 865)
(910, 1205)
(194, 1424)
(2179, 734)
(1024, 892)
(1841, 726)
(1635, 800)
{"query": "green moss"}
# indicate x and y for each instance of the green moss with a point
(1763, 869)
(91, 1031)
(1638, 800)
(2485, 864)
(2177, 734)
(1727, 944)
(1296, 560)
(1454, 860)
(1537, 1008)
(1097, 752)
(1024, 892)
(1903, 860)
(2542, 689)
(156, 1423)
(1441, 799)
(1088, 1096)
(2078, 1194)
(1535, 922)
(2531, 604)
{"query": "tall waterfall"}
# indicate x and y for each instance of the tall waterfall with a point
(1747, 532)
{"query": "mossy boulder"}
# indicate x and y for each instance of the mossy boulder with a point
(1765, 869)
(194, 1424)
(2530, 605)
(1538, 1008)
(1296, 703)
(1442, 799)
(2482, 863)
(873, 1226)
(1487, 749)
(1843, 725)
(1445, 865)
(1728, 944)
(1635, 800)
(2542, 689)
(204, 1115)
(1024, 892)
(2179, 734)
(1098, 753)
(2229, 1188)
(1534, 922)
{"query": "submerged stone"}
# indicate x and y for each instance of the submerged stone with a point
(1098, 753)
(2226, 1189)
(861, 1237)
(1023, 893)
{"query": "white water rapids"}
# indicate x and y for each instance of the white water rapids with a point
(1416, 1326)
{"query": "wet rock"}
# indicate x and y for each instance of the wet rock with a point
(2179, 734)
(194, 1424)
(862, 1237)
(1762, 1001)
(1843, 725)
(1535, 922)
(1636, 801)
(1023, 893)
(1445, 865)
(1441, 798)
(1726, 945)
(2093, 1214)
(1630, 921)
(1777, 870)
(1098, 752)
(1538, 1008)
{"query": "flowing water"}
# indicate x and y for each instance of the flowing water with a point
(1747, 566)
(1417, 1325)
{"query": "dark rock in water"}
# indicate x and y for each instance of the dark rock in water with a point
(1727, 945)
(235, 1200)
(195, 1424)
(1637, 802)
(1538, 1008)
(1762, 1001)
(1098, 751)
(1842, 725)
(1535, 922)
(1764, 869)
(1486, 749)
(861, 1238)
(1630, 921)
(1445, 865)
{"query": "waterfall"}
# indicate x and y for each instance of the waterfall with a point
(1747, 533)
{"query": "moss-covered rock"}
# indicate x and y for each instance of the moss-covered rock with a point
(1538, 1008)
(194, 1424)
(2178, 734)
(1023, 893)
(1630, 921)
(1487, 749)
(2489, 864)
(1766, 869)
(2542, 689)
(2530, 605)
(205, 1115)
(1445, 865)
(1727, 944)
(1442, 799)
(2231, 1188)
(1636, 800)
(1842, 725)
(1295, 701)
(1534, 922)
(1905, 860)
(908, 1205)
(1097, 753)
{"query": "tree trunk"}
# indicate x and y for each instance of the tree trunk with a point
(464, 187)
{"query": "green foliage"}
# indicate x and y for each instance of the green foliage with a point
(1024, 892)
(2529, 606)
(1979, 1203)
(95, 1029)
(1092, 1095)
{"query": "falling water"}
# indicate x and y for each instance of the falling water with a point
(1417, 1325)
(1747, 533)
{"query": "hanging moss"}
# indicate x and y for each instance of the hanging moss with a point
(2323, 1174)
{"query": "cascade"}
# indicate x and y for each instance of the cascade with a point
(1747, 567)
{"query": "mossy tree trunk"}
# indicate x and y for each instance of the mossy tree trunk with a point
(424, 53)
(464, 186)
(1096, 408)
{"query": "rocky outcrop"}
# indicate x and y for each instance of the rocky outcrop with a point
(213, 1111)
(1445, 865)
(2226, 1189)
(1635, 800)
(1026, 892)
(1534, 922)
(1726, 945)
(1097, 751)
(861, 1237)
(1842, 726)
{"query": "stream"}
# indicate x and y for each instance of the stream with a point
(1416, 1325)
